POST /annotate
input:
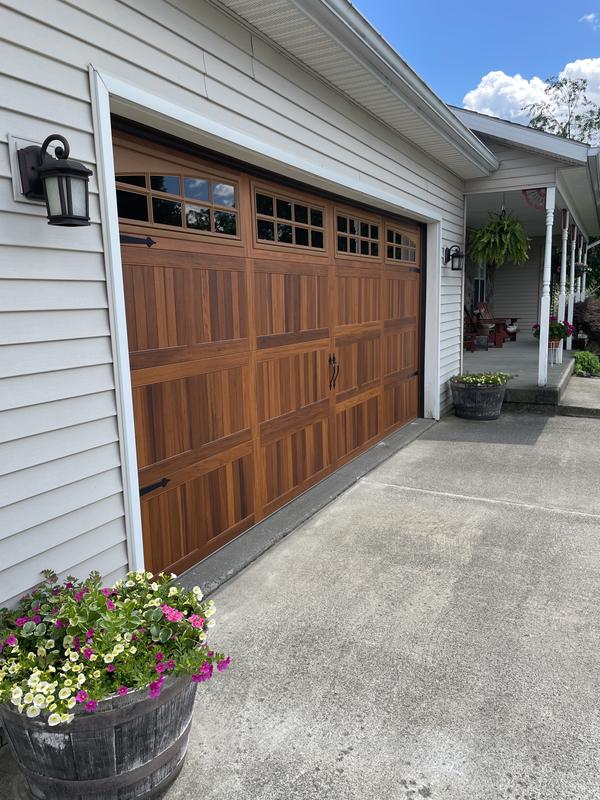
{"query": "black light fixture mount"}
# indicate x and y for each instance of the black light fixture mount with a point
(58, 180)
(455, 257)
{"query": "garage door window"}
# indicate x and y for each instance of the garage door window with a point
(400, 246)
(193, 203)
(285, 221)
(357, 237)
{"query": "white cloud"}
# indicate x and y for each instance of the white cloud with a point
(592, 19)
(502, 95)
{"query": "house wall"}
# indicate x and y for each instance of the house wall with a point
(519, 169)
(61, 502)
(515, 289)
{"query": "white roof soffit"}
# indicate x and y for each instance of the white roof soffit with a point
(336, 42)
(519, 135)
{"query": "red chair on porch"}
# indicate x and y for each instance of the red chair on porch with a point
(507, 325)
(475, 327)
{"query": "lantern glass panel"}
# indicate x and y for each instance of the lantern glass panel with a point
(79, 196)
(53, 196)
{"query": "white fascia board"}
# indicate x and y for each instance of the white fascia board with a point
(566, 195)
(346, 25)
(521, 135)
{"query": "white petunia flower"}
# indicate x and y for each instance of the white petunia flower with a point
(64, 693)
(32, 711)
(54, 719)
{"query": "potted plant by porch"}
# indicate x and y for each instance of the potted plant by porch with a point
(97, 684)
(479, 395)
(557, 331)
(503, 239)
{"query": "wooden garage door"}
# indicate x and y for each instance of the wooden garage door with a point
(273, 335)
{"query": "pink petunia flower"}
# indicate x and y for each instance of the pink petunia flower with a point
(156, 686)
(110, 667)
(222, 665)
(81, 696)
(110, 605)
(20, 621)
(37, 619)
(58, 623)
(172, 614)
(88, 652)
(170, 664)
(89, 634)
(123, 690)
(10, 640)
(161, 667)
(160, 656)
(106, 592)
(196, 621)
(91, 706)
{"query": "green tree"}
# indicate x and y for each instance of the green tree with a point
(566, 111)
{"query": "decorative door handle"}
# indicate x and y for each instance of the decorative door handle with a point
(336, 372)
(152, 486)
(332, 364)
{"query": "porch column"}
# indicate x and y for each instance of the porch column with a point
(572, 283)
(578, 290)
(583, 280)
(545, 304)
(562, 297)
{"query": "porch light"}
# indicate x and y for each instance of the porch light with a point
(454, 256)
(61, 182)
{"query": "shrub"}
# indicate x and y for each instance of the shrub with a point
(587, 317)
(586, 363)
(482, 378)
(79, 642)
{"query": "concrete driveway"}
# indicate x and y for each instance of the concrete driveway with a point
(433, 633)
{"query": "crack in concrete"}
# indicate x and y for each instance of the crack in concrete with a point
(476, 498)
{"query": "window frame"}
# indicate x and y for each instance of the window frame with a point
(361, 217)
(413, 235)
(183, 229)
(295, 199)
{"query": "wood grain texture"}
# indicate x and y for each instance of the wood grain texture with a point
(235, 399)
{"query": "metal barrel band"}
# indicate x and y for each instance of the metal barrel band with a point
(101, 785)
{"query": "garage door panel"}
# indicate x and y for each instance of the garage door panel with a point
(401, 292)
(358, 299)
(400, 351)
(294, 461)
(290, 305)
(194, 517)
(291, 381)
(400, 403)
(158, 312)
(356, 424)
(359, 363)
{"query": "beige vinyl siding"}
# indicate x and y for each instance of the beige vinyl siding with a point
(57, 403)
(517, 289)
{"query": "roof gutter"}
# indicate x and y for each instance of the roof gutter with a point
(344, 23)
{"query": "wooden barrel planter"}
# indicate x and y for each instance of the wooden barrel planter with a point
(477, 402)
(131, 748)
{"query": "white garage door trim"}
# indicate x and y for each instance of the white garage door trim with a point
(139, 105)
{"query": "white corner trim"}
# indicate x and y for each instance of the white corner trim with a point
(431, 378)
(118, 322)
(568, 198)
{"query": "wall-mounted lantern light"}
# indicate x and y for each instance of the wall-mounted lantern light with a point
(454, 256)
(61, 182)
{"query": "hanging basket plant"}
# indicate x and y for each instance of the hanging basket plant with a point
(503, 239)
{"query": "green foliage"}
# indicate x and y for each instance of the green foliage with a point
(68, 646)
(566, 111)
(482, 378)
(503, 239)
(586, 363)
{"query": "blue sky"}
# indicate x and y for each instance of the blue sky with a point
(452, 45)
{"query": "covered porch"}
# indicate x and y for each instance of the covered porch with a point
(548, 184)
(520, 359)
